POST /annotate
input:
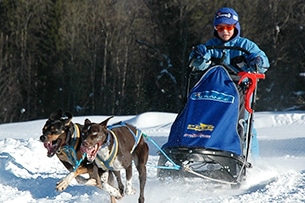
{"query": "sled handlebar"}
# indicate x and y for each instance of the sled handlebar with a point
(190, 67)
(253, 79)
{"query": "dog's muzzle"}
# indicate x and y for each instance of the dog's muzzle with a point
(89, 150)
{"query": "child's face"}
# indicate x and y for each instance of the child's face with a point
(225, 32)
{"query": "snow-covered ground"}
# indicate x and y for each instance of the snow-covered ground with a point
(278, 175)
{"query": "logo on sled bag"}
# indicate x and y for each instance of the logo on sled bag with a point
(213, 95)
(200, 127)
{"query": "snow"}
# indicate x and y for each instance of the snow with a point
(278, 175)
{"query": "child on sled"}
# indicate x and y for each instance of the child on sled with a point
(227, 34)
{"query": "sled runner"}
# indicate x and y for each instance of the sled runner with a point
(210, 138)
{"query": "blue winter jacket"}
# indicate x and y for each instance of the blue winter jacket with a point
(238, 60)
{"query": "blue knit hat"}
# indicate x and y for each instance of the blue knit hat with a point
(227, 16)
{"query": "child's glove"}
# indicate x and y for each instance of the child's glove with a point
(256, 62)
(201, 57)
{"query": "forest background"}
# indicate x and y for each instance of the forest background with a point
(125, 57)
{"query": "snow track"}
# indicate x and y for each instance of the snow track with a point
(28, 175)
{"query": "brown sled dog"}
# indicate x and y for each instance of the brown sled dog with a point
(113, 148)
(62, 137)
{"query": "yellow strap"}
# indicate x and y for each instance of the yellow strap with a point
(76, 135)
(106, 164)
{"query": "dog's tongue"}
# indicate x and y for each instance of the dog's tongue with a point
(90, 151)
(51, 147)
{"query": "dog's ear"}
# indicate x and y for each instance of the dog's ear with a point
(87, 122)
(85, 129)
(68, 115)
(104, 123)
(66, 118)
(56, 115)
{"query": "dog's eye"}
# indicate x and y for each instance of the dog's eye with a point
(95, 137)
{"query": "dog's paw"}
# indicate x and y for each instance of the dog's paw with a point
(112, 191)
(117, 195)
(91, 182)
(130, 191)
(61, 185)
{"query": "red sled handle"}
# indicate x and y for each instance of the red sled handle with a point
(253, 78)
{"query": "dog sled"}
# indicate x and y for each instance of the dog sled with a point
(211, 137)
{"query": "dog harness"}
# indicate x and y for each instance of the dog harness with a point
(136, 136)
(106, 164)
(69, 150)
